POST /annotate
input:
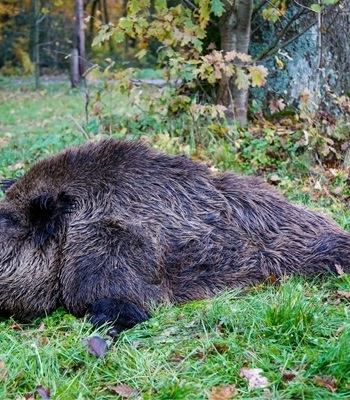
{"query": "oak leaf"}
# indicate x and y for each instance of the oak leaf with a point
(96, 346)
(254, 378)
(328, 382)
(242, 79)
(125, 391)
(222, 392)
(276, 105)
(258, 73)
(44, 392)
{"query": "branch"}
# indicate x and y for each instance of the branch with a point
(82, 130)
(273, 48)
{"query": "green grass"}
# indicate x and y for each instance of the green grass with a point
(297, 332)
(182, 352)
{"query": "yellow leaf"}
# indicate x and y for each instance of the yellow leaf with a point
(279, 62)
(242, 79)
(141, 54)
(258, 74)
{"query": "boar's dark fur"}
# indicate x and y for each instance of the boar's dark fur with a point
(112, 228)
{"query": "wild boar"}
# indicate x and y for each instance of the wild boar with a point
(113, 228)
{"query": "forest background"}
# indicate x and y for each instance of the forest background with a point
(184, 66)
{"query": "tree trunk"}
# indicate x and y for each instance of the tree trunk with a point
(36, 44)
(74, 68)
(235, 35)
(80, 36)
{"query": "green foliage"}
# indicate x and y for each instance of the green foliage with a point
(179, 34)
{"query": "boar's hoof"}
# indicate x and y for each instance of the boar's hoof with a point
(121, 314)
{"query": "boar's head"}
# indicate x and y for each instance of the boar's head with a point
(63, 242)
(31, 220)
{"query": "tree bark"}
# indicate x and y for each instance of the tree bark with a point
(74, 68)
(235, 27)
(36, 44)
(80, 36)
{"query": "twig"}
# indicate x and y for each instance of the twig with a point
(80, 128)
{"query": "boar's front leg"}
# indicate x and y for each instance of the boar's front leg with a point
(123, 315)
(112, 270)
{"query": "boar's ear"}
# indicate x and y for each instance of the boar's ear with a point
(46, 214)
(6, 184)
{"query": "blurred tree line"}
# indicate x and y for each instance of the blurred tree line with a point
(56, 25)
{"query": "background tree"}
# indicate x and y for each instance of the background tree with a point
(182, 28)
(78, 56)
(235, 27)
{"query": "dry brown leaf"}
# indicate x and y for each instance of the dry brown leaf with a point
(221, 348)
(44, 392)
(342, 293)
(3, 371)
(276, 105)
(338, 190)
(125, 391)
(339, 269)
(222, 392)
(96, 346)
(339, 330)
(44, 341)
(289, 375)
(177, 357)
(16, 327)
(328, 382)
(41, 327)
(254, 378)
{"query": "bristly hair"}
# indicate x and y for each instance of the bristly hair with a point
(6, 184)
(46, 214)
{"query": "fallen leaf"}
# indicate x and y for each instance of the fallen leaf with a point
(96, 346)
(44, 341)
(16, 327)
(176, 357)
(339, 330)
(328, 382)
(3, 371)
(288, 375)
(276, 105)
(271, 279)
(338, 190)
(318, 185)
(221, 348)
(274, 178)
(222, 392)
(125, 391)
(44, 392)
(339, 269)
(41, 327)
(342, 293)
(254, 378)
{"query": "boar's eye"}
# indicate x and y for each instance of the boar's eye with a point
(6, 184)
(47, 213)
